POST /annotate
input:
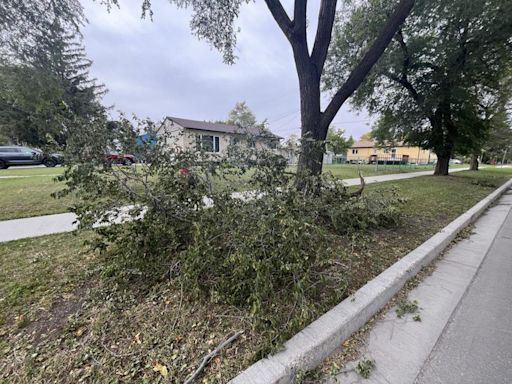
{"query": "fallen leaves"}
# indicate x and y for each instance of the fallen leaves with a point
(162, 369)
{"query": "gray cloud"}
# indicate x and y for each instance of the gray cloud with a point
(159, 68)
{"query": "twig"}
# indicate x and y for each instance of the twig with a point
(179, 309)
(211, 355)
(359, 192)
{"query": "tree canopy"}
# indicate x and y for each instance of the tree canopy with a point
(337, 142)
(445, 66)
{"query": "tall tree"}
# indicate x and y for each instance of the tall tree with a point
(242, 116)
(46, 84)
(444, 61)
(213, 21)
(336, 141)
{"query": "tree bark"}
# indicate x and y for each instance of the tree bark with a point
(442, 165)
(473, 164)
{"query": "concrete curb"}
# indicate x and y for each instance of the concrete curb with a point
(313, 344)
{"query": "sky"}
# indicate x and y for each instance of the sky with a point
(158, 68)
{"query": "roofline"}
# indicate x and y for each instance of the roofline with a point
(270, 136)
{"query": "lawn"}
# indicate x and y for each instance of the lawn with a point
(31, 196)
(36, 171)
(65, 319)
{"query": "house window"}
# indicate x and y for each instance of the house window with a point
(208, 143)
(355, 151)
(393, 153)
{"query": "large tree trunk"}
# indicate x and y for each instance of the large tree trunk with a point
(442, 165)
(473, 164)
(312, 133)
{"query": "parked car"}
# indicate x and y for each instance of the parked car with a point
(121, 158)
(455, 161)
(16, 155)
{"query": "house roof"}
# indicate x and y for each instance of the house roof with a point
(219, 127)
(364, 144)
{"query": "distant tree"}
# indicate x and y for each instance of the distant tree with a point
(444, 61)
(214, 21)
(337, 142)
(367, 136)
(292, 142)
(242, 116)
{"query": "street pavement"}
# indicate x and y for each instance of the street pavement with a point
(464, 335)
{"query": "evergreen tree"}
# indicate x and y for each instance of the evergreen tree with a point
(46, 88)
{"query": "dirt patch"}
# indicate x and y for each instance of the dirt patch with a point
(50, 324)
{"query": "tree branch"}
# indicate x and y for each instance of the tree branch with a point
(211, 355)
(326, 17)
(281, 17)
(299, 18)
(368, 61)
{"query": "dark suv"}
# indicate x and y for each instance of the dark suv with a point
(14, 155)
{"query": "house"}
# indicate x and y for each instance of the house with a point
(214, 137)
(369, 151)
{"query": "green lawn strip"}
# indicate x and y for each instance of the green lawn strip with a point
(14, 171)
(31, 196)
(64, 319)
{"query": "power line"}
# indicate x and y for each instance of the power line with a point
(284, 116)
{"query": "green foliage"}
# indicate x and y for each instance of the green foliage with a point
(337, 142)
(405, 307)
(46, 92)
(440, 78)
(365, 367)
(270, 250)
(242, 116)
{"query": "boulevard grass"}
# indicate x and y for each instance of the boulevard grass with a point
(66, 318)
(30, 195)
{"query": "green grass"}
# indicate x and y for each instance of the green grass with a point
(15, 171)
(63, 320)
(30, 196)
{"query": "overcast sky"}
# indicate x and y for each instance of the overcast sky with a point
(159, 68)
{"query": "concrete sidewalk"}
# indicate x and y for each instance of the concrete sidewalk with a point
(476, 346)
(50, 224)
(395, 176)
(464, 334)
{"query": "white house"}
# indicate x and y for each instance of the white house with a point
(214, 137)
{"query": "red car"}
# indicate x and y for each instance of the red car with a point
(121, 158)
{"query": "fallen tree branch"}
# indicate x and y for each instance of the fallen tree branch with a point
(359, 192)
(211, 355)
